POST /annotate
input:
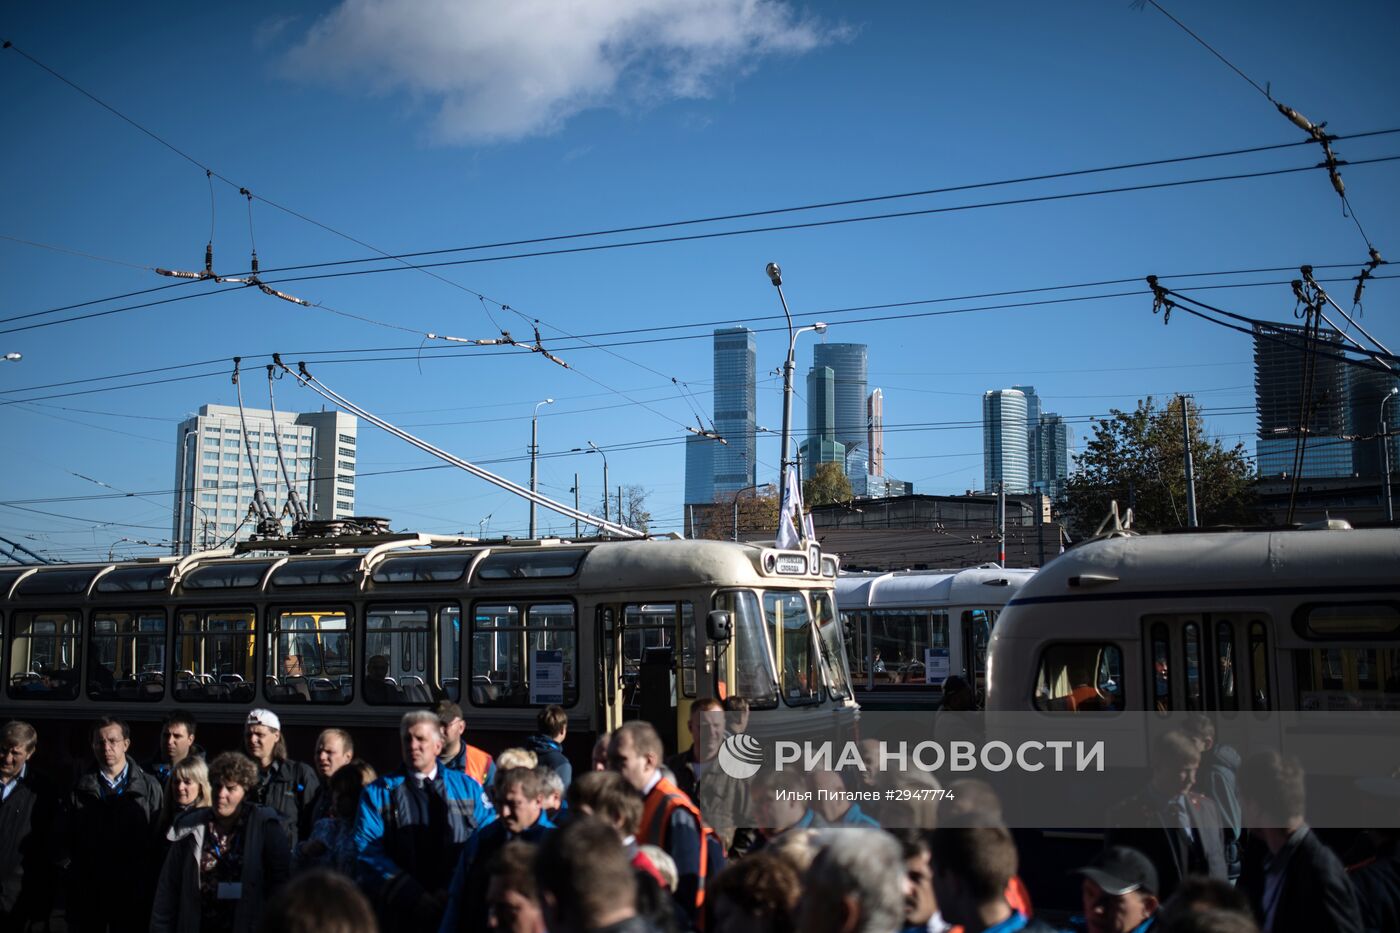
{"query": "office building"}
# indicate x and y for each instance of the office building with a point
(848, 362)
(1366, 390)
(1282, 367)
(735, 462)
(1052, 447)
(821, 445)
(699, 469)
(1032, 433)
(1004, 457)
(214, 481)
(875, 432)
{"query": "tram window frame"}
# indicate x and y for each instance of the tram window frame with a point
(324, 571)
(1261, 701)
(420, 653)
(751, 650)
(422, 568)
(1159, 689)
(44, 693)
(156, 678)
(836, 676)
(1227, 700)
(683, 635)
(544, 564)
(135, 580)
(315, 694)
(793, 694)
(57, 583)
(1111, 702)
(243, 690)
(519, 695)
(232, 580)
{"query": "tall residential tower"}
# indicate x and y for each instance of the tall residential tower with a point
(1004, 456)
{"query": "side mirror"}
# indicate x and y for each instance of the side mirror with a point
(719, 626)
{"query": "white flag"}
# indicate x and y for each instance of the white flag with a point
(791, 515)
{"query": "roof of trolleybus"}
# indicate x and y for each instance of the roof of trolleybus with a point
(972, 585)
(1215, 564)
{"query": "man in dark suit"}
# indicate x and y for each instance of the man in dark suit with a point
(27, 808)
(1180, 831)
(1294, 882)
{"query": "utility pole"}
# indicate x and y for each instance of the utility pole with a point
(619, 503)
(534, 457)
(1001, 523)
(576, 528)
(775, 275)
(1385, 457)
(1190, 471)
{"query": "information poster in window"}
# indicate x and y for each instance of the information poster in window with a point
(546, 676)
(937, 666)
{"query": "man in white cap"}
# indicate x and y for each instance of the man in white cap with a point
(286, 786)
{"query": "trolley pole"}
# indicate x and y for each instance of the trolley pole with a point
(1190, 471)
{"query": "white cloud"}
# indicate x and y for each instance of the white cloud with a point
(500, 70)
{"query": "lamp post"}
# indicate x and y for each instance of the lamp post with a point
(1385, 457)
(534, 457)
(310, 478)
(775, 275)
(595, 449)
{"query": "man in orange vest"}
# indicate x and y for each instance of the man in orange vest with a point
(670, 819)
(457, 755)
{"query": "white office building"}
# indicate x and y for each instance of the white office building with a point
(214, 481)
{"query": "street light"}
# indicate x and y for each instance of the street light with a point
(775, 275)
(1385, 456)
(594, 448)
(534, 456)
(13, 357)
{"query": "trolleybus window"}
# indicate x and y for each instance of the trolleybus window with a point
(527, 565)
(399, 667)
(790, 627)
(833, 654)
(1161, 673)
(434, 568)
(56, 583)
(1379, 621)
(897, 642)
(1191, 654)
(754, 678)
(1340, 677)
(308, 656)
(1259, 668)
(1225, 665)
(1080, 678)
(340, 570)
(655, 625)
(228, 576)
(126, 655)
(7, 580)
(214, 656)
(977, 631)
(44, 656)
(135, 580)
(518, 665)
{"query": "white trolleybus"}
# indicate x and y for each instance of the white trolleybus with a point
(351, 631)
(908, 630)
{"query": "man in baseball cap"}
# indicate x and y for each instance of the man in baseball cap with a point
(1120, 892)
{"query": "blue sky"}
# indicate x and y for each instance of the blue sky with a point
(415, 125)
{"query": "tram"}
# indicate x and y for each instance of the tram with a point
(907, 630)
(351, 631)
(1225, 622)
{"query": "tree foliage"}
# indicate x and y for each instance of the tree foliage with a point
(827, 485)
(757, 516)
(1136, 458)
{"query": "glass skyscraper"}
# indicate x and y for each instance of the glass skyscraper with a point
(1281, 364)
(1004, 456)
(1052, 448)
(699, 469)
(848, 362)
(821, 445)
(735, 462)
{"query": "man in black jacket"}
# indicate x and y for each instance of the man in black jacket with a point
(112, 812)
(1294, 882)
(27, 808)
(548, 744)
(284, 785)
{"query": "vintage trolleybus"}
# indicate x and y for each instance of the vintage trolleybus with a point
(350, 632)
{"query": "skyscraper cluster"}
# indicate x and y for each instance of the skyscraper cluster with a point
(1024, 449)
(845, 423)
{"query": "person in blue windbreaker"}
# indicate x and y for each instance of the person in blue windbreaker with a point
(411, 829)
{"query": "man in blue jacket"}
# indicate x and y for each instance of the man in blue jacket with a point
(520, 814)
(412, 827)
(548, 743)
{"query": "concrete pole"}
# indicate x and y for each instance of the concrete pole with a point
(1190, 471)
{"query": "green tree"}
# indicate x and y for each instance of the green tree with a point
(1135, 457)
(827, 485)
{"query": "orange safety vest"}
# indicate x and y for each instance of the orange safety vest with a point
(665, 798)
(1016, 896)
(478, 764)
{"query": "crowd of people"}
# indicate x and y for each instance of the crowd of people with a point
(455, 839)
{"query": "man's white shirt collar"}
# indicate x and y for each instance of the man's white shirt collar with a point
(652, 782)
